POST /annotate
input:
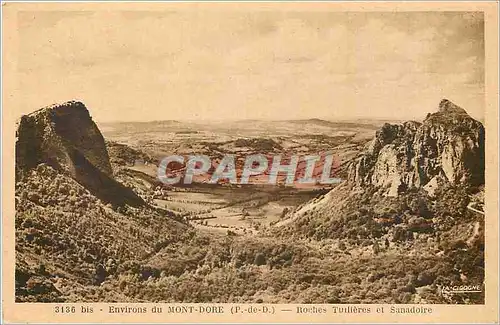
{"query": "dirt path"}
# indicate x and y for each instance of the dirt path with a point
(475, 210)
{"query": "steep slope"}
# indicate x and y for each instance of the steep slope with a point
(65, 137)
(409, 196)
(76, 226)
(421, 170)
(68, 241)
(447, 147)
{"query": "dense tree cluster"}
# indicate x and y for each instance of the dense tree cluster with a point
(73, 247)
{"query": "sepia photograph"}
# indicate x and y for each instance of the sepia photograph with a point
(225, 155)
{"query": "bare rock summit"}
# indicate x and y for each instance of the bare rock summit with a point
(65, 137)
(448, 146)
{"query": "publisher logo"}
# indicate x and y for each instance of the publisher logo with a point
(457, 289)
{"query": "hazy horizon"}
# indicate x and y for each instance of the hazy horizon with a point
(266, 65)
(209, 120)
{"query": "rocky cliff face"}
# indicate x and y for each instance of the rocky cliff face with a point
(65, 137)
(57, 135)
(447, 147)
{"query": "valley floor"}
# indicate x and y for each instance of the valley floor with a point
(223, 243)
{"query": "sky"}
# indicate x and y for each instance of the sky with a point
(227, 65)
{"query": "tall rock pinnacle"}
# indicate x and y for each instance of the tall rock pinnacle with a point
(448, 146)
(65, 137)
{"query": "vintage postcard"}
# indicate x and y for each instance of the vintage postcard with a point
(250, 162)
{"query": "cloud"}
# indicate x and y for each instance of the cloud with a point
(253, 65)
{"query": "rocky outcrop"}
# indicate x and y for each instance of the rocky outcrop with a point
(65, 137)
(447, 147)
(58, 133)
